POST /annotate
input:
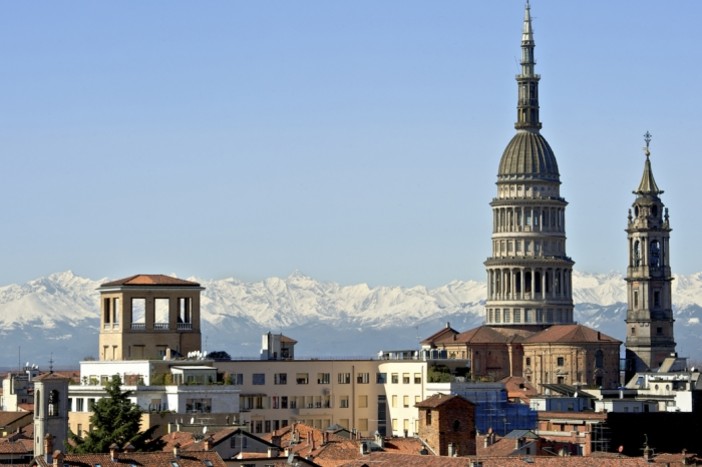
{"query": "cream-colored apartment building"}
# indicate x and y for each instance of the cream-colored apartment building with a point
(362, 395)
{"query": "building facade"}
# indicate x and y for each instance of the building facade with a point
(649, 317)
(149, 316)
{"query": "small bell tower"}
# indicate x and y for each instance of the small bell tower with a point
(649, 319)
(50, 414)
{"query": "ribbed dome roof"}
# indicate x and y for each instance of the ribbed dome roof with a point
(528, 156)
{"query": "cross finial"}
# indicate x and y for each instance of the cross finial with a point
(647, 138)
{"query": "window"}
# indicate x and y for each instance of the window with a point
(417, 378)
(79, 405)
(284, 402)
(274, 402)
(323, 378)
(517, 315)
(659, 331)
(258, 378)
(599, 359)
(560, 361)
(237, 379)
(363, 424)
(363, 378)
(528, 361)
(394, 378)
(636, 298)
(161, 313)
(344, 402)
(362, 402)
(138, 313)
(280, 378)
(394, 401)
(394, 424)
(344, 378)
(381, 378)
(302, 378)
(417, 400)
(656, 298)
(405, 378)
(199, 405)
(427, 420)
(405, 401)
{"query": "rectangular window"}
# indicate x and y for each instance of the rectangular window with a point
(417, 378)
(161, 313)
(280, 378)
(236, 379)
(344, 402)
(284, 402)
(405, 378)
(405, 401)
(363, 378)
(517, 315)
(323, 378)
(560, 361)
(528, 361)
(656, 298)
(394, 424)
(344, 378)
(363, 402)
(302, 378)
(79, 405)
(258, 378)
(363, 424)
(394, 378)
(394, 401)
(138, 313)
(417, 400)
(185, 317)
(381, 378)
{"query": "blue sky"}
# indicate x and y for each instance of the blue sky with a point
(355, 141)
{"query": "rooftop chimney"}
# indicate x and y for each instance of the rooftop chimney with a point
(58, 459)
(114, 449)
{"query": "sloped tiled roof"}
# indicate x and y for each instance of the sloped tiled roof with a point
(439, 399)
(139, 459)
(519, 388)
(8, 418)
(444, 334)
(149, 280)
(492, 335)
(383, 459)
(570, 334)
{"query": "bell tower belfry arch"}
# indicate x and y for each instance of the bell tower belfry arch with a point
(649, 317)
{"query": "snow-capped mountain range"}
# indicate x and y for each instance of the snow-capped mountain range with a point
(58, 316)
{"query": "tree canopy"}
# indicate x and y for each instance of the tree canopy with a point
(115, 419)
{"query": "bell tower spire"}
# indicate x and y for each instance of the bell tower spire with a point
(649, 320)
(527, 80)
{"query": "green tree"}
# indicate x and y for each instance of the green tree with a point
(115, 419)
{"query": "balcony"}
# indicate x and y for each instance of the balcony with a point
(185, 326)
(138, 326)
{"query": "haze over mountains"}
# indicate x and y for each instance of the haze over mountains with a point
(57, 316)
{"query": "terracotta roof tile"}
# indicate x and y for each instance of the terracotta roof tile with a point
(439, 399)
(150, 280)
(570, 334)
(445, 333)
(140, 459)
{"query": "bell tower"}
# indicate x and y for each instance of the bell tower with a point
(649, 318)
(50, 414)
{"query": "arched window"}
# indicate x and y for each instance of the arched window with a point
(456, 425)
(655, 254)
(53, 403)
(599, 359)
(637, 253)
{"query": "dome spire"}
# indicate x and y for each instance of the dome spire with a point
(648, 184)
(527, 80)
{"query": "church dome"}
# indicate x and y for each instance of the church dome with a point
(528, 156)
